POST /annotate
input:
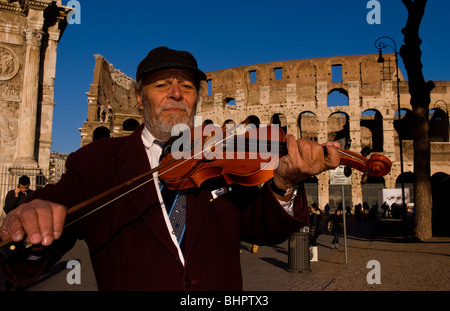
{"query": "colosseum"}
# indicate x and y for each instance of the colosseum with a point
(350, 99)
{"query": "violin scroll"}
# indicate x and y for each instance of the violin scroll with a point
(377, 165)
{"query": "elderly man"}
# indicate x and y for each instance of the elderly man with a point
(132, 242)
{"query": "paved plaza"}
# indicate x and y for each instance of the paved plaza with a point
(403, 264)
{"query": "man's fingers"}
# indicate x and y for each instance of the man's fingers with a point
(12, 228)
(30, 220)
(40, 222)
(59, 219)
(332, 158)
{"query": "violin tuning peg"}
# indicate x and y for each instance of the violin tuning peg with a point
(366, 151)
(348, 170)
(365, 177)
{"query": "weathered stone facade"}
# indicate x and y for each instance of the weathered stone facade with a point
(29, 35)
(300, 95)
(112, 106)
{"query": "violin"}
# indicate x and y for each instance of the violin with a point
(248, 159)
(242, 155)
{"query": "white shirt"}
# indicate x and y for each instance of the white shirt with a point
(153, 153)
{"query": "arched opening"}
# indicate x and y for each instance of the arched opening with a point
(439, 125)
(337, 97)
(372, 130)
(229, 122)
(101, 132)
(312, 190)
(404, 126)
(407, 179)
(339, 129)
(335, 197)
(130, 125)
(307, 124)
(280, 120)
(207, 121)
(254, 120)
(440, 184)
(230, 101)
(370, 191)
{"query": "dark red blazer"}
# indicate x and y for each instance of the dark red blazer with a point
(128, 240)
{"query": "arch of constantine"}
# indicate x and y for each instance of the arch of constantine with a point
(30, 31)
(350, 99)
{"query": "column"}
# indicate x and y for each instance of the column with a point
(48, 87)
(28, 107)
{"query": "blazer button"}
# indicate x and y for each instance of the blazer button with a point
(187, 283)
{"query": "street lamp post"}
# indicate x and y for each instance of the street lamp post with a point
(382, 43)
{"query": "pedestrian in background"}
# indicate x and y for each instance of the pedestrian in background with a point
(334, 225)
(314, 230)
(18, 196)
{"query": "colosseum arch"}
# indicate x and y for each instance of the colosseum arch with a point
(440, 183)
(101, 132)
(371, 125)
(337, 97)
(229, 122)
(254, 120)
(307, 125)
(370, 190)
(404, 126)
(229, 101)
(130, 125)
(207, 121)
(311, 188)
(439, 125)
(280, 120)
(339, 129)
(407, 178)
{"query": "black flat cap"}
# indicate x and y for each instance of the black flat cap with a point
(164, 58)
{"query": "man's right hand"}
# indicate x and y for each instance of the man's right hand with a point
(38, 221)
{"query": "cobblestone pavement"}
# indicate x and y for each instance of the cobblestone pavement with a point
(404, 264)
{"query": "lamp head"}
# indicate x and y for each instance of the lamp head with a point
(380, 57)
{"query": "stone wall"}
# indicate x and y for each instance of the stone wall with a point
(352, 99)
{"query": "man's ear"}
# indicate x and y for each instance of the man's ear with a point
(139, 100)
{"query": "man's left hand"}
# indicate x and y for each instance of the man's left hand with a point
(305, 158)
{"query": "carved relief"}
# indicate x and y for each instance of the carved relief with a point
(33, 37)
(8, 125)
(9, 64)
(11, 91)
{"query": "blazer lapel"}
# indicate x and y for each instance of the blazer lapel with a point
(197, 206)
(145, 199)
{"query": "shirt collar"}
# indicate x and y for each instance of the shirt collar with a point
(148, 139)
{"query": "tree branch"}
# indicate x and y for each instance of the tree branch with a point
(408, 4)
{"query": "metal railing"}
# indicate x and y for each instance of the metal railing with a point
(9, 179)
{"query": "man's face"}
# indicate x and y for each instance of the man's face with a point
(168, 97)
(23, 188)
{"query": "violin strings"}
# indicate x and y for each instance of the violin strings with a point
(345, 154)
(162, 173)
(141, 184)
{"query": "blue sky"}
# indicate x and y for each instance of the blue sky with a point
(226, 34)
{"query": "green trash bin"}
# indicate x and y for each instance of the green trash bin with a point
(298, 251)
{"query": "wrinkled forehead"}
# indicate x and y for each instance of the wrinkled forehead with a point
(167, 74)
